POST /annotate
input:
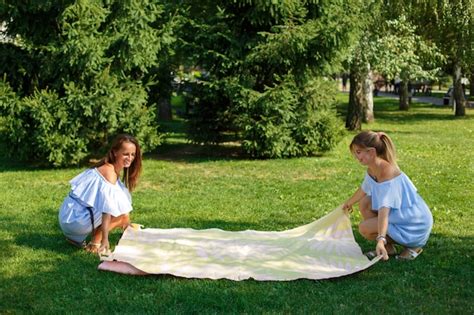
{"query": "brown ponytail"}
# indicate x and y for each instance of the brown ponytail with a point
(380, 141)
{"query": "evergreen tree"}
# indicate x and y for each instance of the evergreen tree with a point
(268, 64)
(77, 75)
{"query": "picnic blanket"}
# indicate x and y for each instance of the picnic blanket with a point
(325, 248)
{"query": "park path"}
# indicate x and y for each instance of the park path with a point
(419, 99)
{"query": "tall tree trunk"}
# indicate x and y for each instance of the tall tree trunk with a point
(404, 95)
(458, 93)
(369, 97)
(471, 82)
(355, 110)
(164, 109)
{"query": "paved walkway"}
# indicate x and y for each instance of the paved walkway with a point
(416, 98)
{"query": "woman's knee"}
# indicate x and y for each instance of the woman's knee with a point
(365, 207)
(365, 204)
(124, 220)
(363, 229)
(366, 229)
(121, 221)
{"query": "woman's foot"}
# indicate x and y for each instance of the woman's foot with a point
(391, 249)
(409, 253)
(92, 247)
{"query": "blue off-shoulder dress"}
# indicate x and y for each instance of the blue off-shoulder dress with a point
(90, 196)
(410, 220)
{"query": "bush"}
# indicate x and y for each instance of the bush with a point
(288, 120)
(210, 116)
(63, 131)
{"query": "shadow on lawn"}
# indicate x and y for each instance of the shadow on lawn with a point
(12, 165)
(415, 116)
(387, 109)
(34, 236)
(196, 153)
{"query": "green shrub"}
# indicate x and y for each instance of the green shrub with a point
(63, 131)
(210, 115)
(78, 76)
(287, 121)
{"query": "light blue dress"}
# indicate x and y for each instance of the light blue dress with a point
(410, 220)
(90, 196)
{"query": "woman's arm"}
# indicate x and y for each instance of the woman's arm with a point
(106, 218)
(382, 226)
(356, 197)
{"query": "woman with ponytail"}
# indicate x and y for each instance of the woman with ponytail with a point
(100, 200)
(392, 210)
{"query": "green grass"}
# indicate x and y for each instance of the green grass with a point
(203, 187)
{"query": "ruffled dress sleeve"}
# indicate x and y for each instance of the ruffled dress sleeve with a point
(366, 185)
(91, 189)
(397, 193)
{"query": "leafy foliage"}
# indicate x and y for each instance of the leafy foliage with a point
(261, 57)
(403, 53)
(285, 121)
(86, 80)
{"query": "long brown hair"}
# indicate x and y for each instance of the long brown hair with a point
(130, 174)
(380, 141)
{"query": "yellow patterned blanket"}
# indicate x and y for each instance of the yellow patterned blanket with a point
(325, 248)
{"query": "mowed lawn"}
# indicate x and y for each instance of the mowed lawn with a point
(206, 187)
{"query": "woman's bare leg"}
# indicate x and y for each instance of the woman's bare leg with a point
(365, 207)
(368, 228)
(116, 222)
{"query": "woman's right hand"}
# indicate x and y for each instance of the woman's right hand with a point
(347, 207)
(381, 250)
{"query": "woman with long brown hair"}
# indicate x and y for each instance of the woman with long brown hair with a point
(100, 199)
(392, 210)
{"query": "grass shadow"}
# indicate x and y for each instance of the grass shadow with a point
(196, 153)
(387, 109)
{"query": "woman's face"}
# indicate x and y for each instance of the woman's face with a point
(364, 155)
(125, 155)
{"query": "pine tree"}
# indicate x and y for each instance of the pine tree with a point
(76, 75)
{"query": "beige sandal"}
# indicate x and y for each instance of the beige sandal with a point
(92, 247)
(409, 254)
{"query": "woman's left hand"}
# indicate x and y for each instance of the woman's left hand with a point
(381, 250)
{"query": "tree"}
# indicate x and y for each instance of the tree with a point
(456, 39)
(79, 76)
(404, 54)
(450, 25)
(471, 82)
(360, 61)
(360, 107)
(267, 62)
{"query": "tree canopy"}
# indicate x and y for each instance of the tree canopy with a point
(74, 75)
(268, 63)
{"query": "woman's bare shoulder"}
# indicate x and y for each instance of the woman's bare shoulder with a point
(108, 172)
(390, 171)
